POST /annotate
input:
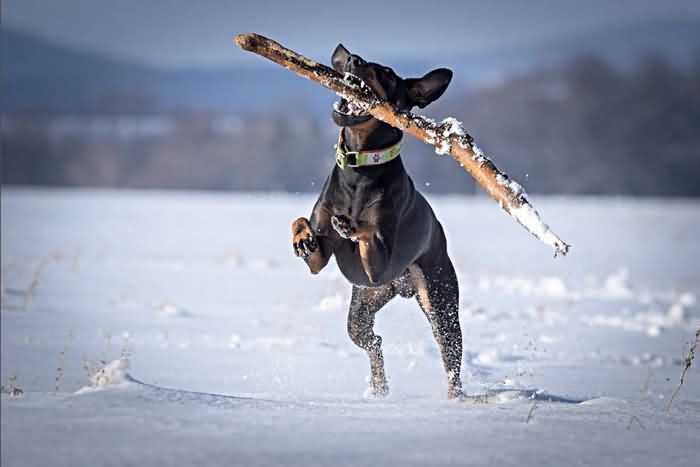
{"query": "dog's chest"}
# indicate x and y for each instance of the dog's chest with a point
(357, 201)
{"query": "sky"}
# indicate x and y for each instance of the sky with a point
(187, 33)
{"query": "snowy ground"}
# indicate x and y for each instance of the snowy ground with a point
(202, 293)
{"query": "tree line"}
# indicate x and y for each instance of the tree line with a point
(583, 127)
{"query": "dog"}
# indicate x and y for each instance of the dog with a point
(383, 233)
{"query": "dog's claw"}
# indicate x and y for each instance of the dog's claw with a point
(305, 248)
(297, 250)
(303, 238)
(342, 225)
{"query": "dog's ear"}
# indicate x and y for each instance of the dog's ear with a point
(423, 91)
(340, 58)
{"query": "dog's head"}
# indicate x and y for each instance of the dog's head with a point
(404, 94)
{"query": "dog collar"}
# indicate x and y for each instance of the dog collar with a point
(344, 158)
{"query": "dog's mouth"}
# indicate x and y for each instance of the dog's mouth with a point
(349, 108)
(347, 112)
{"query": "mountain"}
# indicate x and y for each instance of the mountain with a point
(676, 40)
(38, 74)
(43, 75)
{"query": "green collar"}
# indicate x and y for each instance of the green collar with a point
(345, 158)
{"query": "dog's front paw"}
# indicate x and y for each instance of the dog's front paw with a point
(342, 225)
(303, 238)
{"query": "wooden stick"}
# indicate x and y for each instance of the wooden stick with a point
(447, 136)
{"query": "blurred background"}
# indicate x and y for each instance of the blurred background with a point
(568, 97)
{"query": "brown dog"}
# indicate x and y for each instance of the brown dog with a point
(383, 233)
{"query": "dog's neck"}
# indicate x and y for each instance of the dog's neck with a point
(368, 137)
(375, 134)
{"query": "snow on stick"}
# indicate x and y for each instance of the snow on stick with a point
(447, 136)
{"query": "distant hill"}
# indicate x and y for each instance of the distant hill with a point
(40, 74)
(37, 73)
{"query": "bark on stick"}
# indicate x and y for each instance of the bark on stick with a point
(447, 136)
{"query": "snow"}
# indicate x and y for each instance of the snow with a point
(448, 127)
(181, 330)
(112, 374)
(479, 155)
(515, 187)
(441, 134)
(528, 217)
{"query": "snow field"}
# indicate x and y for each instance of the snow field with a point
(157, 328)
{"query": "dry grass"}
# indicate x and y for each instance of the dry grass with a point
(12, 388)
(634, 418)
(531, 412)
(687, 364)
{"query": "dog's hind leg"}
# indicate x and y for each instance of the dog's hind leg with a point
(365, 303)
(437, 293)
